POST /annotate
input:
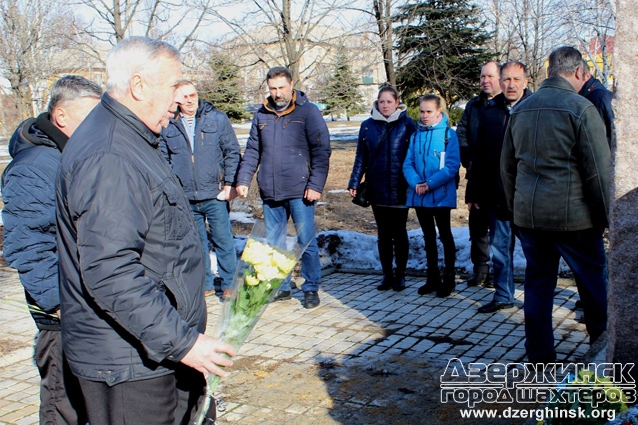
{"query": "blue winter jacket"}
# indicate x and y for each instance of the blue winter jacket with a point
(28, 193)
(292, 150)
(423, 165)
(214, 162)
(383, 144)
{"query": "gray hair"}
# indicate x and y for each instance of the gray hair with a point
(564, 61)
(72, 87)
(135, 55)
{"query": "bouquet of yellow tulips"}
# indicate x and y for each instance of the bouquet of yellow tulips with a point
(268, 259)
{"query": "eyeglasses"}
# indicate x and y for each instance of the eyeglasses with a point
(190, 96)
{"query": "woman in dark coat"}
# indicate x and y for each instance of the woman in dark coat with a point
(381, 150)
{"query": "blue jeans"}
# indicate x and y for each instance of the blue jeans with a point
(502, 243)
(584, 253)
(303, 216)
(216, 214)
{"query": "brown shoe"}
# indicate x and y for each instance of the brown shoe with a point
(228, 294)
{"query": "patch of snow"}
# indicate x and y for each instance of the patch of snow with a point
(241, 217)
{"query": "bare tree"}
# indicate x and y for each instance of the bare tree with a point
(592, 24)
(30, 40)
(526, 30)
(378, 20)
(278, 32)
(383, 16)
(176, 21)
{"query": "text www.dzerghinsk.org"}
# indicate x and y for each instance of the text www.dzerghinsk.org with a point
(538, 414)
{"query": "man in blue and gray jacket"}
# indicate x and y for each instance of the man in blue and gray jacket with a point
(201, 147)
(290, 143)
(28, 192)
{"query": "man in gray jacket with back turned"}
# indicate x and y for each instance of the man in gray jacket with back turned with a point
(555, 170)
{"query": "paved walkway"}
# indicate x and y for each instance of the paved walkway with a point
(302, 366)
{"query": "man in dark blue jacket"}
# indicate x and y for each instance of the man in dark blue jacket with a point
(28, 192)
(485, 187)
(290, 143)
(131, 261)
(596, 93)
(201, 147)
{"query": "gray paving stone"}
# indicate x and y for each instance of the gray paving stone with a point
(355, 323)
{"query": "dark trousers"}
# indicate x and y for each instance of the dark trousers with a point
(61, 400)
(584, 253)
(427, 218)
(479, 223)
(392, 239)
(165, 400)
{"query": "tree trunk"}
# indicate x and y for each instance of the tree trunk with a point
(622, 344)
(383, 16)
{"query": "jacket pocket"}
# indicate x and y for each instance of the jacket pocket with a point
(176, 219)
(175, 292)
(208, 133)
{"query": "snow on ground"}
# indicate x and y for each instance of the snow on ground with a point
(357, 251)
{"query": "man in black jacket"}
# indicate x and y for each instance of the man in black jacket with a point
(467, 132)
(131, 262)
(202, 149)
(485, 187)
(30, 246)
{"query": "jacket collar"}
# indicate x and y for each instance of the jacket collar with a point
(126, 115)
(202, 107)
(378, 116)
(591, 85)
(270, 106)
(558, 83)
(44, 124)
(500, 101)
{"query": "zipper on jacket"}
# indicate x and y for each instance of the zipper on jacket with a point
(198, 119)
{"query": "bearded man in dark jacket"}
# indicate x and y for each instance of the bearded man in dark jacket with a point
(467, 132)
(485, 188)
(30, 246)
(131, 262)
(290, 143)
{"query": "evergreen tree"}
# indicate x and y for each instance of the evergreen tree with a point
(341, 94)
(441, 46)
(224, 89)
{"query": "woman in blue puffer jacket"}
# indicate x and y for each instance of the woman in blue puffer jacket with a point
(430, 168)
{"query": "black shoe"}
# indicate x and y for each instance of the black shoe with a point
(489, 283)
(311, 299)
(493, 306)
(473, 281)
(432, 284)
(449, 283)
(399, 284)
(386, 284)
(283, 296)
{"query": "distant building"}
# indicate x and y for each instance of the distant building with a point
(259, 49)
